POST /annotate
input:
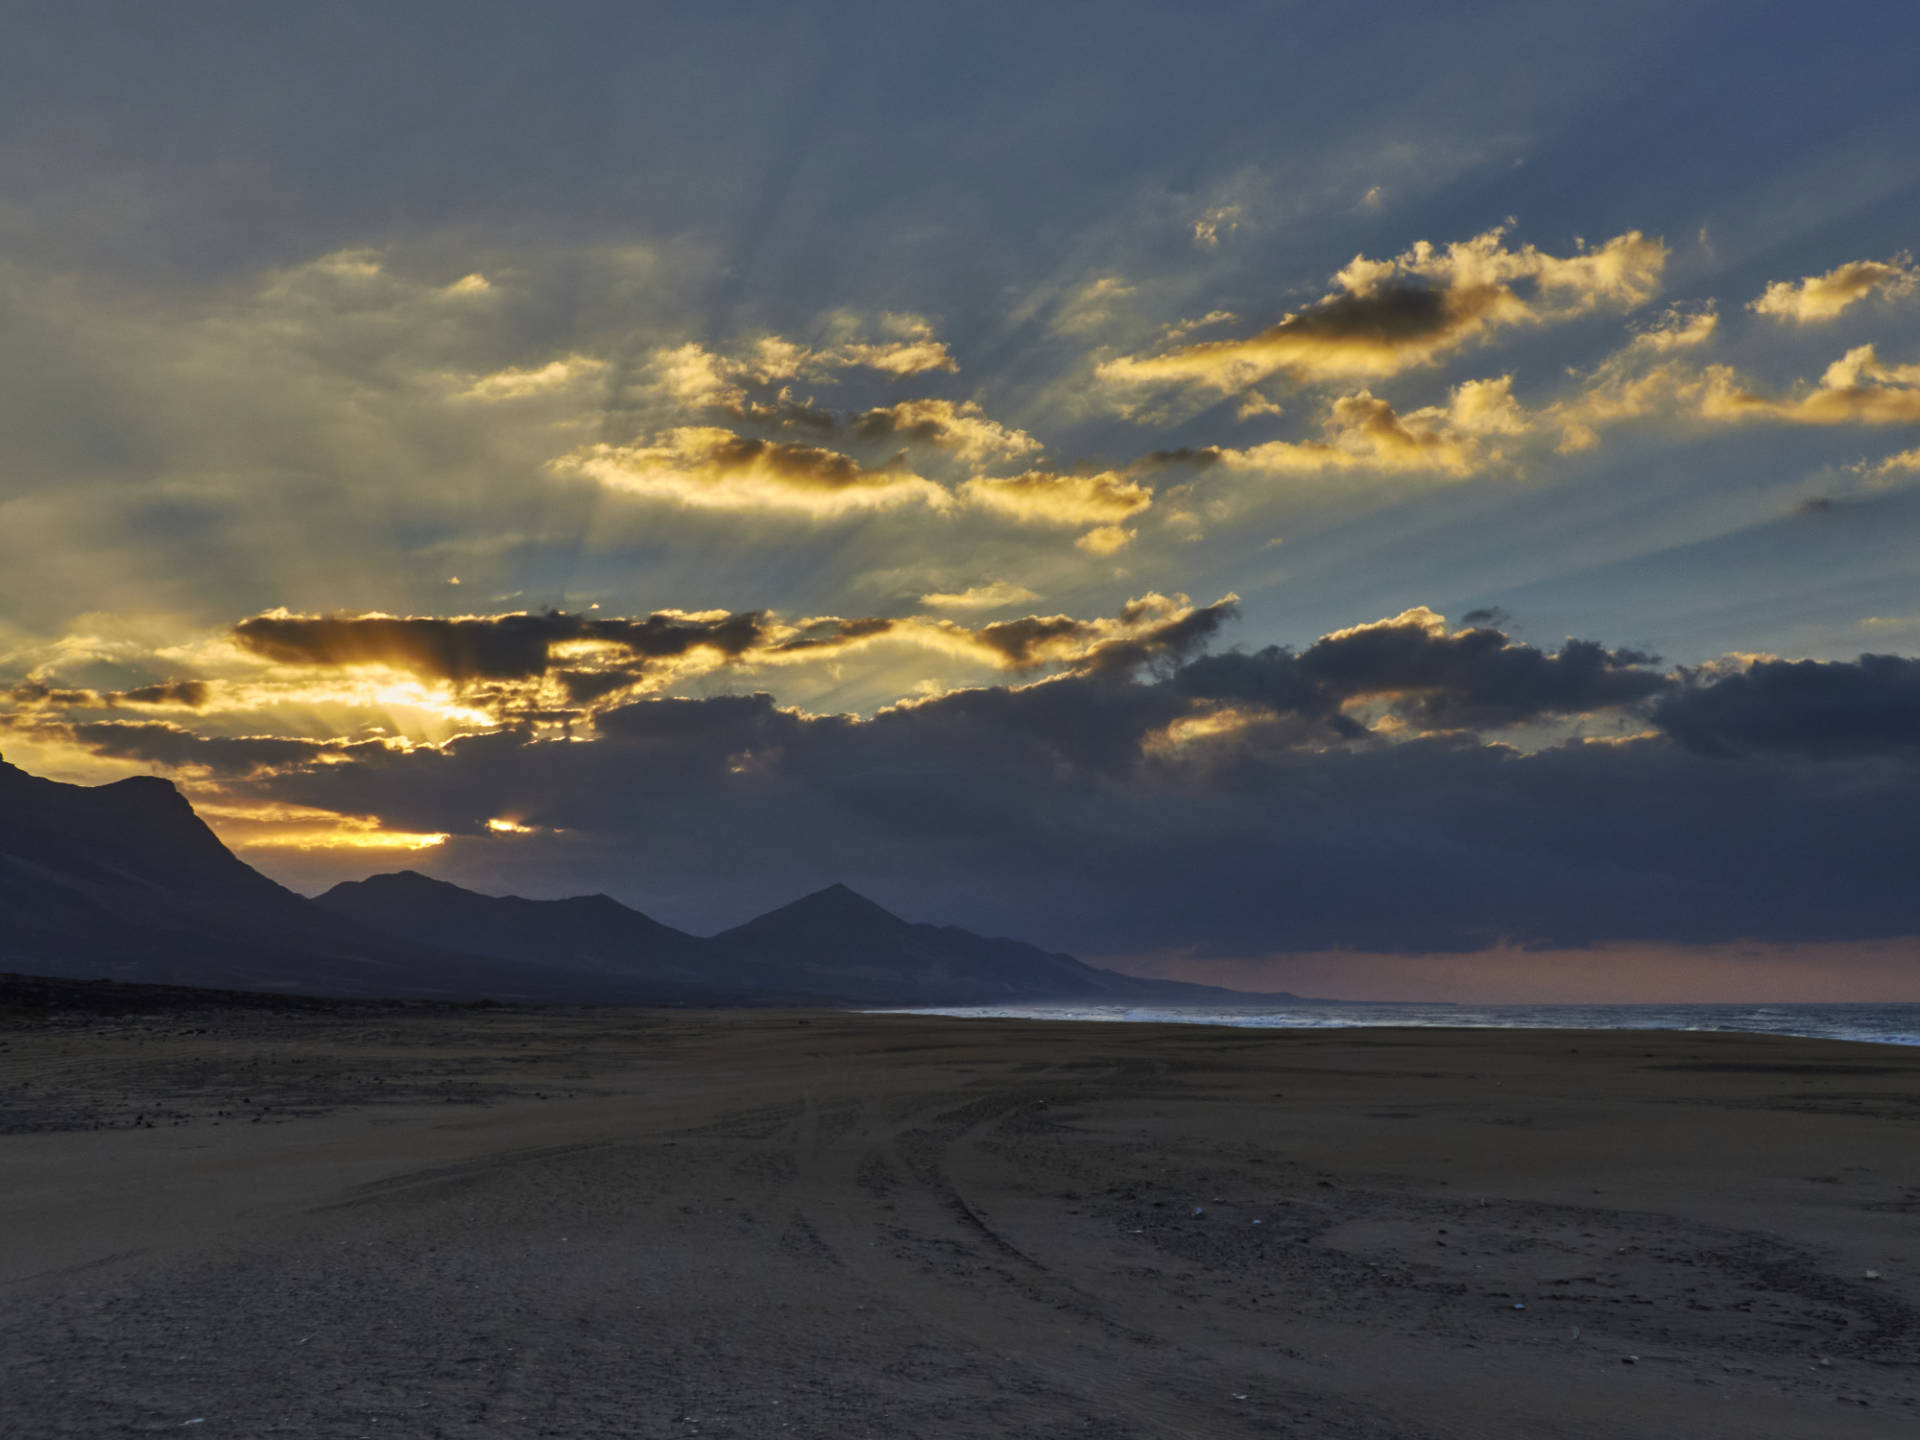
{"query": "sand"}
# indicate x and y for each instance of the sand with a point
(768, 1224)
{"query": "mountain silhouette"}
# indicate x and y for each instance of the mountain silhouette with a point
(125, 882)
(843, 943)
(594, 934)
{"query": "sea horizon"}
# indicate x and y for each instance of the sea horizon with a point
(1893, 1023)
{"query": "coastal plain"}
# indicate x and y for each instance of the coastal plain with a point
(461, 1222)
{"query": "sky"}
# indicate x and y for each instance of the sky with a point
(1422, 505)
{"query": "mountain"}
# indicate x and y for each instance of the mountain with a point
(125, 882)
(831, 946)
(591, 934)
(844, 944)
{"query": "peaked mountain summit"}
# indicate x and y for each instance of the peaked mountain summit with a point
(845, 944)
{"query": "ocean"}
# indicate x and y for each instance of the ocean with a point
(1876, 1024)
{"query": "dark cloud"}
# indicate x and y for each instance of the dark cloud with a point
(489, 647)
(1473, 679)
(1154, 797)
(1379, 329)
(1144, 631)
(1200, 457)
(1477, 677)
(784, 413)
(173, 694)
(1388, 317)
(1047, 810)
(889, 424)
(156, 742)
(35, 694)
(832, 633)
(187, 694)
(1804, 708)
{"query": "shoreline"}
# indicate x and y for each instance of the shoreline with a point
(834, 1224)
(1870, 1027)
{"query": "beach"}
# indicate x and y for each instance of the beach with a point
(363, 1221)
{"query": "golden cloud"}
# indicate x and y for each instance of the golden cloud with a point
(1043, 497)
(276, 826)
(1387, 316)
(990, 596)
(1906, 462)
(916, 355)
(693, 377)
(555, 375)
(550, 670)
(1645, 377)
(1364, 432)
(707, 468)
(1857, 389)
(1216, 224)
(1679, 329)
(1106, 539)
(1817, 298)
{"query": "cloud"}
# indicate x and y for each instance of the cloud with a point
(183, 694)
(490, 647)
(1150, 627)
(166, 695)
(960, 428)
(156, 742)
(1678, 329)
(1649, 375)
(1363, 432)
(559, 669)
(1805, 708)
(1184, 328)
(692, 376)
(1044, 497)
(1214, 226)
(1904, 462)
(1236, 803)
(913, 349)
(1388, 316)
(1819, 298)
(1857, 389)
(990, 596)
(1091, 306)
(1106, 539)
(707, 468)
(1415, 668)
(519, 384)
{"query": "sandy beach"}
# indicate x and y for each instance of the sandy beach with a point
(475, 1223)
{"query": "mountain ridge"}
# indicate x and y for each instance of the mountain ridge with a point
(125, 881)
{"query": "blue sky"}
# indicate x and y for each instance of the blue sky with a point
(969, 352)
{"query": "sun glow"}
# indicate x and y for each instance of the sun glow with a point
(304, 827)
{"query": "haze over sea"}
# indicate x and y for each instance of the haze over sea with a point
(1875, 1024)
